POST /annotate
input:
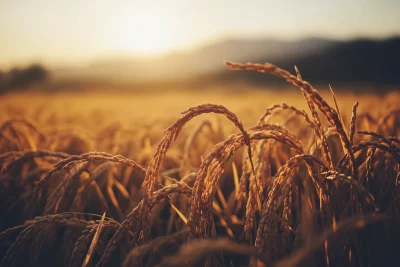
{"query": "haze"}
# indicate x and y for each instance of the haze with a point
(75, 32)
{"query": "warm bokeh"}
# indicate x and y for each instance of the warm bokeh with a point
(134, 133)
(187, 41)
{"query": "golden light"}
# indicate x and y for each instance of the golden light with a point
(144, 29)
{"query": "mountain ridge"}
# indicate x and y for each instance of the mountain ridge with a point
(320, 59)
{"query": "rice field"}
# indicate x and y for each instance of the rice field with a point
(213, 177)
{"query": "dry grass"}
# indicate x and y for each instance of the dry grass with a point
(307, 190)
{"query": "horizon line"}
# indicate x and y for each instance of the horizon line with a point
(110, 55)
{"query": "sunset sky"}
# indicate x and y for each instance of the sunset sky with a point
(59, 32)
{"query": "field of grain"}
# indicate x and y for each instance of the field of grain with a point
(257, 178)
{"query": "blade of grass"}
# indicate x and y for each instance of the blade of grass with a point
(94, 242)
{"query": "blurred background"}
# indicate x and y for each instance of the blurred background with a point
(141, 45)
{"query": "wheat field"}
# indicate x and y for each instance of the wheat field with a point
(296, 177)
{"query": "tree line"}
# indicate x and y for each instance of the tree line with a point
(21, 78)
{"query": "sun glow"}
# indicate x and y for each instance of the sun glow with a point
(144, 29)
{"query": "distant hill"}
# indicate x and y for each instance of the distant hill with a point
(363, 61)
(206, 60)
(360, 61)
(319, 60)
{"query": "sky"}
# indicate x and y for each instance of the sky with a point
(57, 32)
